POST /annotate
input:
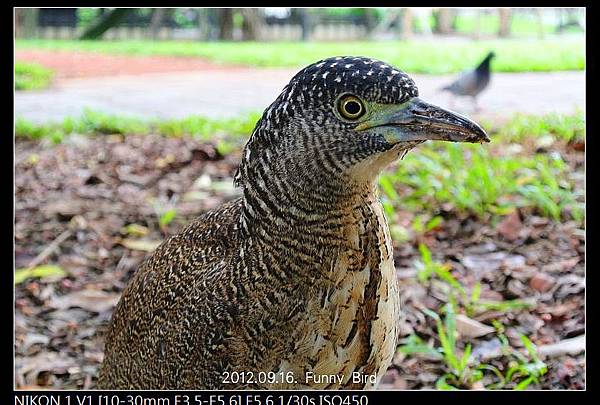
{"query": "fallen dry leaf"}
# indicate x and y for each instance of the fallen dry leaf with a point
(47, 272)
(511, 226)
(90, 300)
(542, 282)
(140, 244)
(122, 178)
(30, 367)
(571, 346)
(560, 309)
(471, 328)
(562, 265)
(490, 262)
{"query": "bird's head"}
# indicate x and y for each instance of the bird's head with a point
(343, 119)
(485, 63)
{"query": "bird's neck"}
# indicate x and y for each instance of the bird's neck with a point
(306, 221)
(484, 65)
(299, 203)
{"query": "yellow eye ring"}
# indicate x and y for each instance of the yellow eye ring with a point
(351, 107)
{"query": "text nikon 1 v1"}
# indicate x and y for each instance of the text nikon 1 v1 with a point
(166, 398)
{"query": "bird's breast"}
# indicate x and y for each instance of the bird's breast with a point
(352, 326)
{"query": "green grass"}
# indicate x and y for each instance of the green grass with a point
(207, 128)
(31, 76)
(463, 371)
(472, 304)
(490, 179)
(474, 180)
(483, 180)
(432, 56)
(559, 126)
(228, 133)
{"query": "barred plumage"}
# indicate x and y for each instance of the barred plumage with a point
(297, 275)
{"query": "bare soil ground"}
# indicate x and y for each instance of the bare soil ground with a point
(72, 64)
(89, 206)
(176, 87)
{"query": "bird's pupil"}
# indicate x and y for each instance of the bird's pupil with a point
(352, 107)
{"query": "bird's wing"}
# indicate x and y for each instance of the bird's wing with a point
(465, 85)
(157, 321)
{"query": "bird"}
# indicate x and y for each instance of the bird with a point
(473, 82)
(292, 285)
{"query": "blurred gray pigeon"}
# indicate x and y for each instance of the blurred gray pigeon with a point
(472, 82)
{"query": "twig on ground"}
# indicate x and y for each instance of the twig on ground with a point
(571, 346)
(49, 249)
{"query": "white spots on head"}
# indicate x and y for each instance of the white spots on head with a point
(354, 72)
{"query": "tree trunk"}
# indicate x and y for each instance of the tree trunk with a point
(203, 25)
(18, 22)
(371, 20)
(444, 21)
(252, 24)
(226, 24)
(306, 22)
(105, 22)
(477, 32)
(26, 22)
(158, 15)
(540, 20)
(504, 14)
(407, 24)
(385, 24)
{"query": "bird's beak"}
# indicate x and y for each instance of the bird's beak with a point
(417, 120)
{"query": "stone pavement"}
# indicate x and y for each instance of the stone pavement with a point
(228, 93)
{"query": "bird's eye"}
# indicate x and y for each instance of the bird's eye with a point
(350, 107)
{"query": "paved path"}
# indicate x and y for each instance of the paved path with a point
(227, 93)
